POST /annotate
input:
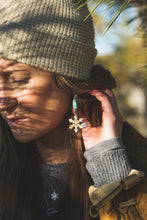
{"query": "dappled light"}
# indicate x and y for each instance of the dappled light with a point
(30, 101)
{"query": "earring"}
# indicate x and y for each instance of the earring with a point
(76, 123)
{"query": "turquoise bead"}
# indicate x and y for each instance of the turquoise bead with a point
(74, 104)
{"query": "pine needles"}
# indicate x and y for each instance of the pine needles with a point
(110, 4)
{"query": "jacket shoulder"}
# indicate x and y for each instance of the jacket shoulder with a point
(136, 146)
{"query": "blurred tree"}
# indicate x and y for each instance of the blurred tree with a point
(126, 66)
(115, 8)
(128, 62)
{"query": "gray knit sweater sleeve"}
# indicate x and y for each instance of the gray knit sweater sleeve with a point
(107, 162)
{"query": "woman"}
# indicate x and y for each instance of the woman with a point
(55, 107)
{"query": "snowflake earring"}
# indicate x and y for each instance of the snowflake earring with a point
(76, 123)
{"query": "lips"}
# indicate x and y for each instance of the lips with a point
(15, 121)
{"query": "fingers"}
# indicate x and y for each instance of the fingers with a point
(108, 101)
(111, 117)
(111, 120)
(112, 100)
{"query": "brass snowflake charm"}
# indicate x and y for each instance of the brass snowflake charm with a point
(76, 123)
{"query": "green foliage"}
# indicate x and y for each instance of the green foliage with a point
(110, 4)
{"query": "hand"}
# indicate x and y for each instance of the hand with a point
(111, 120)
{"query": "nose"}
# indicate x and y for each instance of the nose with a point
(7, 99)
(7, 103)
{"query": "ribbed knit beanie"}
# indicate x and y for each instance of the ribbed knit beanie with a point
(49, 34)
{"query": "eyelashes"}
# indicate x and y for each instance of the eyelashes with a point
(20, 81)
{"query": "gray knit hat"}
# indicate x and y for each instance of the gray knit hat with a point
(48, 34)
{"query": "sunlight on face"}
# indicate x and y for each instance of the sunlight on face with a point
(30, 100)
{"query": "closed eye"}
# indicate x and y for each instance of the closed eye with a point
(21, 81)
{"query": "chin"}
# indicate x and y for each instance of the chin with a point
(27, 137)
(23, 138)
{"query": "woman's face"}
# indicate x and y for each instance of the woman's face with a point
(30, 100)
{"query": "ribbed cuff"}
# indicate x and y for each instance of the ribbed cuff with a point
(104, 147)
(108, 165)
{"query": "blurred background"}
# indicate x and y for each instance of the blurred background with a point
(122, 50)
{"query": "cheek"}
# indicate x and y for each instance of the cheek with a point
(44, 107)
(43, 114)
(56, 110)
(36, 127)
